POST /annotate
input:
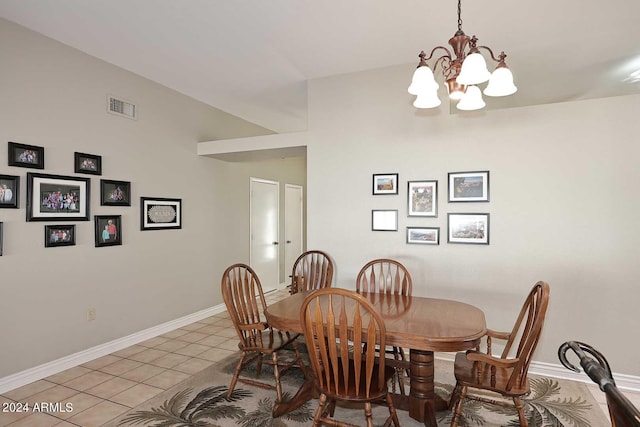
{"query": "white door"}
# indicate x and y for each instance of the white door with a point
(293, 226)
(264, 246)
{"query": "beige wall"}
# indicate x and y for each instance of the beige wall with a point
(55, 97)
(564, 203)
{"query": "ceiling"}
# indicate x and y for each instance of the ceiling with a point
(252, 58)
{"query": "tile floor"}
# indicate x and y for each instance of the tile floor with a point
(104, 388)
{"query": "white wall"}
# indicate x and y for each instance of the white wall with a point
(55, 97)
(564, 203)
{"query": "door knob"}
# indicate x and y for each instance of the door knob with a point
(288, 241)
(275, 243)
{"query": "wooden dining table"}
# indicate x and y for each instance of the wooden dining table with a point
(423, 325)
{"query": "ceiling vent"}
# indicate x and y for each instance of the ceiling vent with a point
(121, 107)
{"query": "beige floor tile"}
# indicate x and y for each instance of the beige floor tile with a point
(167, 379)
(23, 392)
(213, 340)
(59, 393)
(98, 414)
(80, 402)
(211, 329)
(111, 387)
(193, 349)
(37, 419)
(192, 327)
(153, 342)
(88, 381)
(193, 366)
(69, 374)
(216, 354)
(120, 367)
(65, 424)
(172, 345)
(170, 360)
(136, 395)
(148, 355)
(229, 332)
(101, 361)
(129, 351)
(192, 337)
(142, 373)
(208, 321)
(224, 323)
(175, 333)
(7, 418)
(230, 344)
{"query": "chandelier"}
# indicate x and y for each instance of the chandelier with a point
(462, 73)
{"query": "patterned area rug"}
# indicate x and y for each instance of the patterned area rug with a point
(200, 401)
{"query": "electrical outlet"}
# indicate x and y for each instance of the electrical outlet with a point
(91, 314)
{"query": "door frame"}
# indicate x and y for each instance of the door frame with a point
(302, 231)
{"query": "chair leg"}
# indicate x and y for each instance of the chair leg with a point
(393, 416)
(299, 359)
(318, 414)
(276, 374)
(455, 395)
(458, 412)
(520, 408)
(236, 374)
(368, 414)
(259, 365)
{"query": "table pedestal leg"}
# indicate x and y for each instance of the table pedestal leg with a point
(305, 393)
(422, 398)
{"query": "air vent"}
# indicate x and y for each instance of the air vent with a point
(121, 107)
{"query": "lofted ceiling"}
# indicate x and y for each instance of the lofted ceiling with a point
(252, 58)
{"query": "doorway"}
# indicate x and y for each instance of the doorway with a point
(264, 231)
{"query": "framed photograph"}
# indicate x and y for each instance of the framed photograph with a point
(468, 228)
(422, 198)
(385, 183)
(115, 193)
(26, 156)
(160, 214)
(469, 186)
(384, 220)
(59, 235)
(108, 230)
(1, 238)
(87, 163)
(423, 235)
(57, 198)
(9, 191)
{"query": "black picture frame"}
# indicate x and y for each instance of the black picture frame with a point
(25, 156)
(115, 193)
(87, 163)
(468, 228)
(423, 235)
(384, 220)
(385, 183)
(422, 198)
(9, 192)
(44, 205)
(108, 230)
(159, 213)
(1, 237)
(59, 235)
(469, 186)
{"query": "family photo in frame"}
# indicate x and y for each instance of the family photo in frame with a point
(87, 163)
(9, 191)
(26, 156)
(108, 230)
(59, 235)
(57, 198)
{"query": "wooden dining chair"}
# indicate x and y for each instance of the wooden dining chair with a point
(312, 270)
(391, 277)
(505, 374)
(243, 296)
(336, 322)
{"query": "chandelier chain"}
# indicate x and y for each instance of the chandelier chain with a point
(459, 15)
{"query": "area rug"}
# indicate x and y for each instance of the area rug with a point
(201, 401)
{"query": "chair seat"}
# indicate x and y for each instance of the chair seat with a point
(271, 341)
(466, 373)
(350, 394)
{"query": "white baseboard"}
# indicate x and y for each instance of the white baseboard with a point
(623, 381)
(47, 369)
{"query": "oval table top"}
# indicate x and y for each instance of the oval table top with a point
(413, 322)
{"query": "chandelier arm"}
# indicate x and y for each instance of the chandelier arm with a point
(500, 58)
(448, 55)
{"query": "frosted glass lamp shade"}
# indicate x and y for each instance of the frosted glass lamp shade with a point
(472, 99)
(423, 81)
(474, 70)
(500, 83)
(427, 100)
